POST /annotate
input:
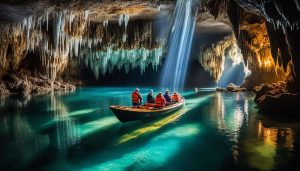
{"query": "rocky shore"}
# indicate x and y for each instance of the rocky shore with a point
(277, 98)
(24, 83)
(231, 88)
(271, 98)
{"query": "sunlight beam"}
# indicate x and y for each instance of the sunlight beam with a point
(175, 67)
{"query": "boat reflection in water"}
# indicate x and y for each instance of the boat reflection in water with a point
(151, 127)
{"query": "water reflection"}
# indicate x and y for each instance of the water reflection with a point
(252, 142)
(16, 133)
(97, 125)
(272, 145)
(229, 114)
(66, 129)
(150, 127)
(79, 131)
(154, 154)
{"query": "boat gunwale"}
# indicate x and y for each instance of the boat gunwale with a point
(143, 110)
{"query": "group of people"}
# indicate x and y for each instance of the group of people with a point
(159, 101)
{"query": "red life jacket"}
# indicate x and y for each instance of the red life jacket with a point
(176, 97)
(135, 97)
(160, 101)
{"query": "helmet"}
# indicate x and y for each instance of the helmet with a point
(151, 91)
(137, 89)
(167, 91)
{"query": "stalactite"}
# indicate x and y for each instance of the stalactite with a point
(124, 18)
(297, 4)
(212, 58)
(106, 61)
(59, 36)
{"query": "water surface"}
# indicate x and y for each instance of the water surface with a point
(77, 131)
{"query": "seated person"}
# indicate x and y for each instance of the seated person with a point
(176, 97)
(160, 101)
(167, 97)
(150, 98)
(136, 98)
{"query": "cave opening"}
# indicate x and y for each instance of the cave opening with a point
(233, 73)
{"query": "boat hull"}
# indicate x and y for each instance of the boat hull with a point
(128, 114)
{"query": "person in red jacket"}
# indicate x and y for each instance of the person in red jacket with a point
(136, 98)
(160, 101)
(176, 97)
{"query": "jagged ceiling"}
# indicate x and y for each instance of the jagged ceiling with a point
(103, 34)
(266, 33)
(17, 10)
(99, 32)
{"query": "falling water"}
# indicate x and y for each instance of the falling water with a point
(179, 48)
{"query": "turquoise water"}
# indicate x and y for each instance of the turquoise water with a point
(77, 131)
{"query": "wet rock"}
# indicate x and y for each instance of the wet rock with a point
(24, 83)
(25, 87)
(262, 90)
(3, 89)
(220, 89)
(270, 89)
(283, 102)
(231, 88)
(275, 98)
(257, 88)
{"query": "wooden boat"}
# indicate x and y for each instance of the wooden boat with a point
(128, 113)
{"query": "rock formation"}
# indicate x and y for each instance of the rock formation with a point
(56, 38)
(53, 37)
(231, 88)
(267, 33)
(212, 57)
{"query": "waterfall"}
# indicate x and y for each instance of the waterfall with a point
(180, 41)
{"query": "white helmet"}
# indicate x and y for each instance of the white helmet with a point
(137, 89)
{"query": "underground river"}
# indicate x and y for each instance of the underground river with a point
(77, 131)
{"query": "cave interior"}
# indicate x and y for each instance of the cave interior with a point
(60, 44)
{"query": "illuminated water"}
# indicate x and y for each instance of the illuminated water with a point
(76, 131)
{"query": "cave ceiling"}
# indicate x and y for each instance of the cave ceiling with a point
(85, 25)
(100, 11)
(108, 10)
